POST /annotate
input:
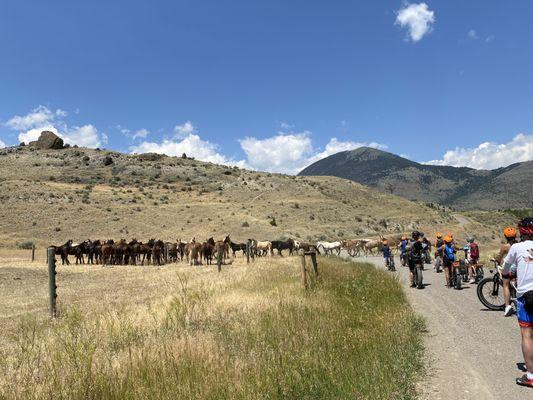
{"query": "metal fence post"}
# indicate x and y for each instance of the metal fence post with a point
(52, 281)
(32, 252)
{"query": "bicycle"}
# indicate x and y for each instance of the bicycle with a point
(390, 264)
(490, 290)
(418, 276)
(459, 270)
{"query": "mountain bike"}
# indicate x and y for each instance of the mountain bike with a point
(403, 260)
(490, 290)
(417, 276)
(459, 270)
(438, 264)
(390, 264)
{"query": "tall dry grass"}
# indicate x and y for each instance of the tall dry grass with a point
(248, 333)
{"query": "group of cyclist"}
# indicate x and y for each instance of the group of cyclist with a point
(516, 257)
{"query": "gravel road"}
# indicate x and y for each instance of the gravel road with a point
(473, 353)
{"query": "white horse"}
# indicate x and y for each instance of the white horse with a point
(329, 247)
(262, 248)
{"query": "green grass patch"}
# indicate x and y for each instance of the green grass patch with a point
(352, 335)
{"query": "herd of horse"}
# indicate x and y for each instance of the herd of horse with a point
(158, 252)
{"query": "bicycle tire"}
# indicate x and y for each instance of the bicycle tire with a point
(419, 278)
(458, 282)
(489, 301)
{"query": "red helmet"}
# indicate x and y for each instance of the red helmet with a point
(526, 226)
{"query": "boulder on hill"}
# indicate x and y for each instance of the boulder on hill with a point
(48, 140)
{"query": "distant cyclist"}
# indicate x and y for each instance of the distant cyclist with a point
(448, 258)
(414, 249)
(385, 249)
(510, 237)
(439, 243)
(520, 256)
(403, 245)
(472, 257)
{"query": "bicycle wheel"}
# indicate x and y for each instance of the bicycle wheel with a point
(419, 278)
(490, 293)
(458, 281)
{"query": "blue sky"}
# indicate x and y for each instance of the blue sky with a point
(273, 84)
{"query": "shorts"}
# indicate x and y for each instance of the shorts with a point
(525, 317)
(447, 263)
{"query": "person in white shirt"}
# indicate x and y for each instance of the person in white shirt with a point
(520, 256)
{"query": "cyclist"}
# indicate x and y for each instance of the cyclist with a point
(403, 244)
(414, 249)
(510, 237)
(472, 258)
(438, 252)
(520, 256)
(385, 249)
(448, 257)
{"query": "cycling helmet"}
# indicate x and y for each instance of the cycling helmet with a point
(439, 235)
(526, 226)
(448, 239)
(470, 239)
(415, 234)
(509, 232)
(385, 242)
(404, 237)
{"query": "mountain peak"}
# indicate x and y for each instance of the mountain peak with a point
(460, 187)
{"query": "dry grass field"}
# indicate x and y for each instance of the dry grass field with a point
(177, 331)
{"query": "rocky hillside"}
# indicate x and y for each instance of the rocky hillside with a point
(462, 188)
(51, 195)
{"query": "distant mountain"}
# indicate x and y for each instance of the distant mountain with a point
(464, 188)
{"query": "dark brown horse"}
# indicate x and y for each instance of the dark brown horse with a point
(63, 251)
(207, 251)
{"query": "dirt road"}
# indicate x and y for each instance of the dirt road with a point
(473, 353)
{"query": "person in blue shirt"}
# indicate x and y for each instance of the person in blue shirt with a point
(403, 245)
(385, 249)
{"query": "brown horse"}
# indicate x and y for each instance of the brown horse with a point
(157, 252)
(63, 251)
(207, 251)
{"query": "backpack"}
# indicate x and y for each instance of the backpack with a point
(449, 254)
(474, 251)
(415, 252)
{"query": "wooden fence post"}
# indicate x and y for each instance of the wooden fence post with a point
(304, 269)
(52, 281)
(248, 252)
(315, 264)
(32, 252)
(219, 260)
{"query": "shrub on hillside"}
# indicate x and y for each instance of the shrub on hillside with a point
(28, 244)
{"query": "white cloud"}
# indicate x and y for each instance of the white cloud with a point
(185, 129)
(38, 117)
(141, 133)
(417, 18)
(285, 126)
(192, 145)
(2, 144)
(490, 155)
(287, 153)
(290, 153)
(472, 34)
(42, 118)
(490, 38)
